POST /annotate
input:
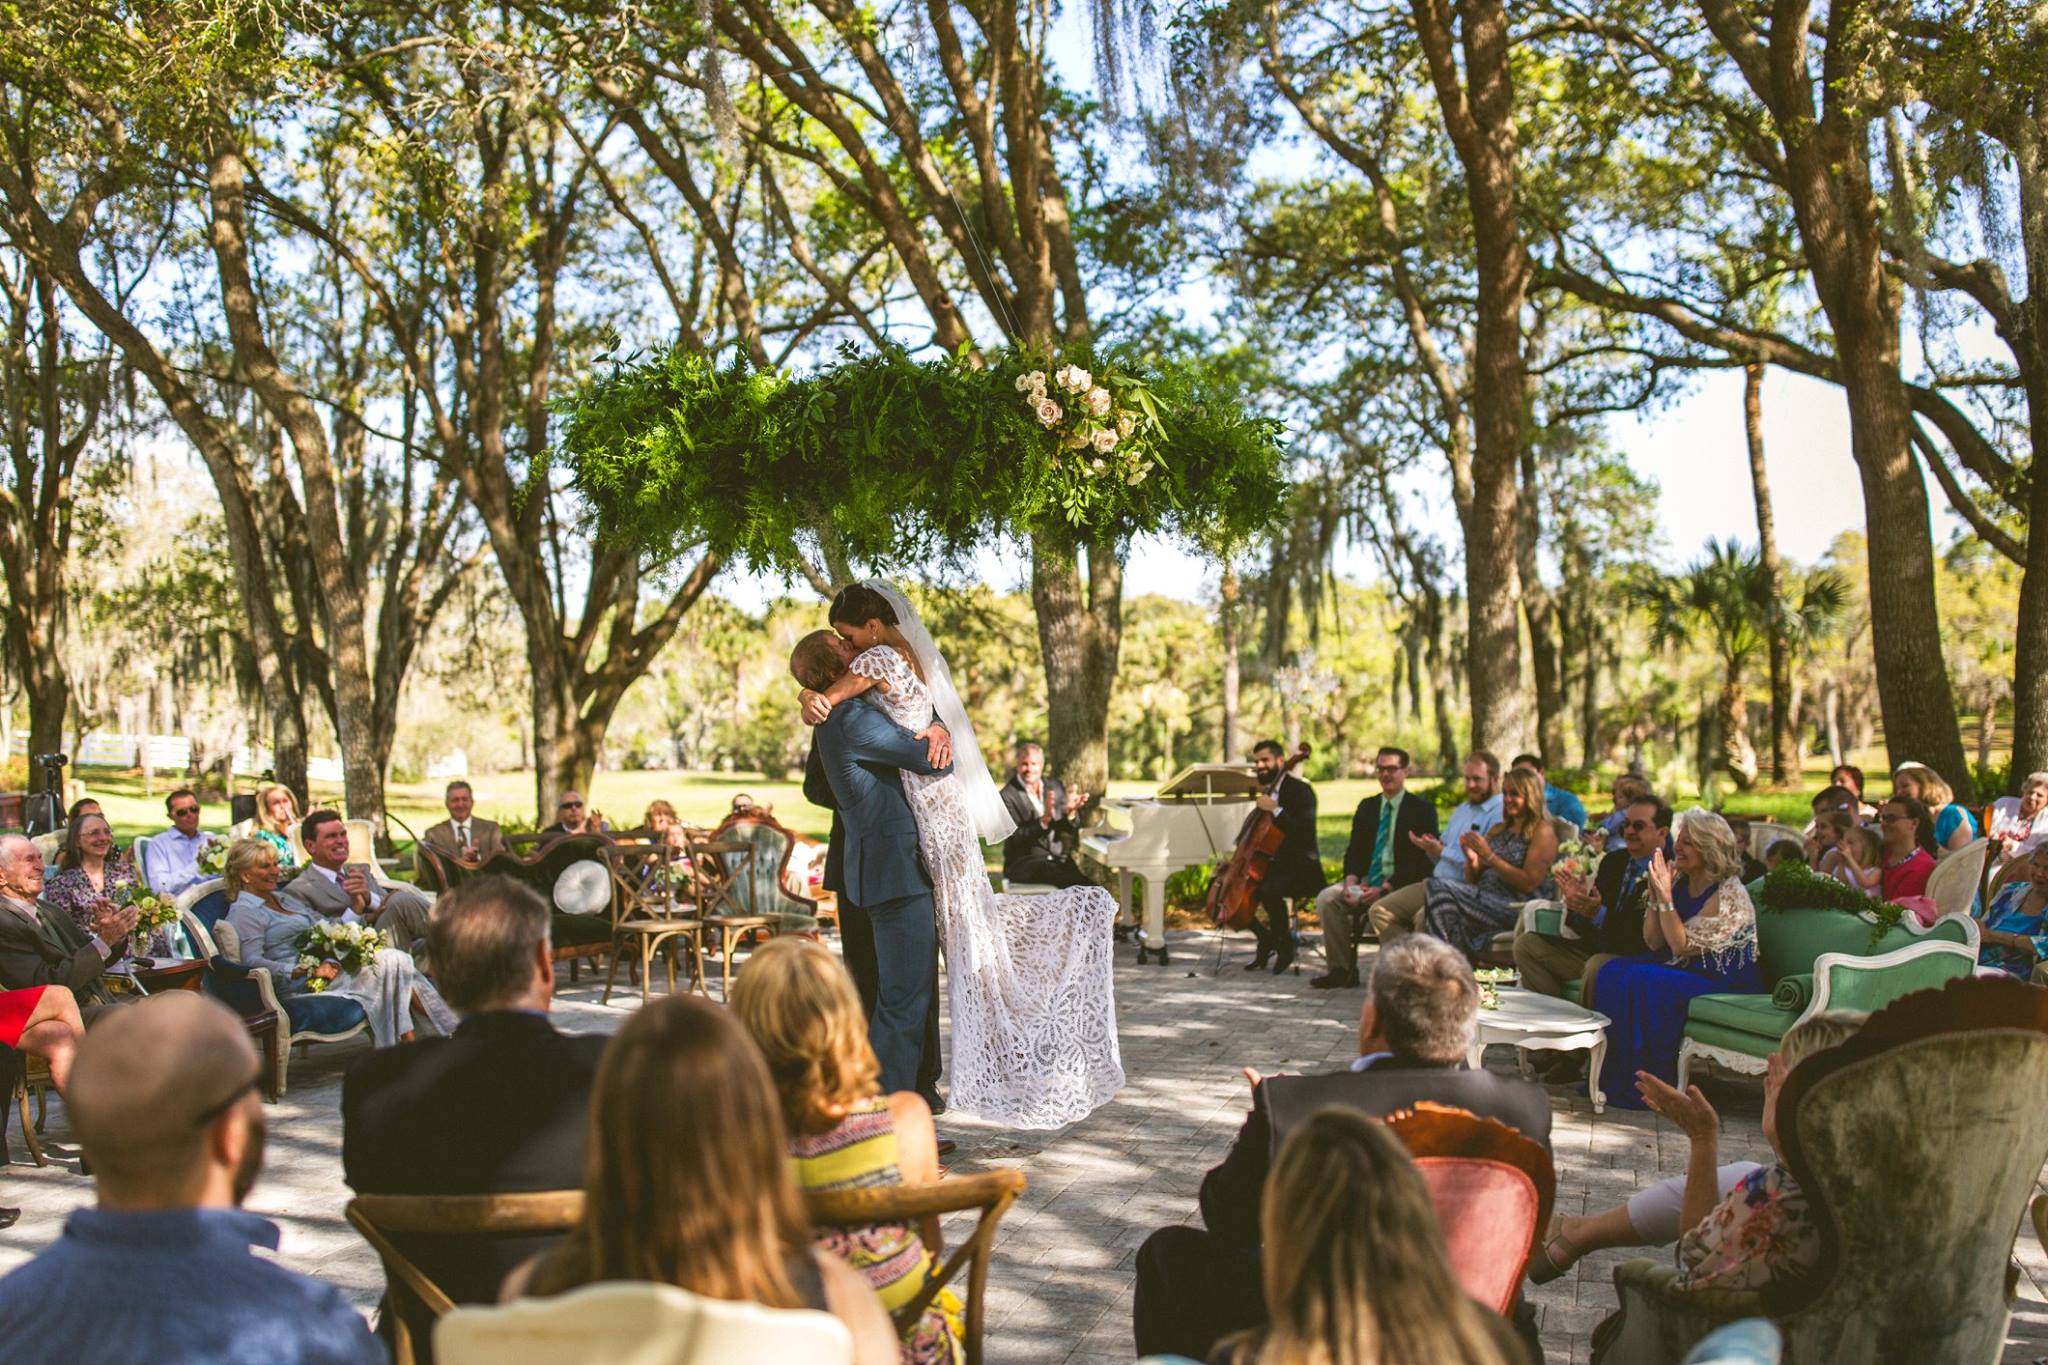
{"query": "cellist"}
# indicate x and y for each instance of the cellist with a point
(1297, 869)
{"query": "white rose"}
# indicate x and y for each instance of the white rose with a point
(1125, 425)
(1023, 383)
(1105, 440)
(1037, 380)
(1098, 401)
(1096, 466)
(1083, 381)
(1048, 412)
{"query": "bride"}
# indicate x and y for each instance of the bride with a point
(1028, 977)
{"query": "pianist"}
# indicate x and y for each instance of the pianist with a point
(1041, 850)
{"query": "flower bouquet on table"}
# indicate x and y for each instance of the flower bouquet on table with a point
(1491, 979)
(350, 947)
(213, 856)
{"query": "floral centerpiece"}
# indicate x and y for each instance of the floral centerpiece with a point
(213, 856)
(350, 947)
(1491, 979)
(152, 913)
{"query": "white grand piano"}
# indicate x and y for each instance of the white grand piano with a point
(1193, 819)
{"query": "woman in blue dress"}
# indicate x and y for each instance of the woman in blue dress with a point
(1701, 931)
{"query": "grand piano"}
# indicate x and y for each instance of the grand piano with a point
(1193, 819)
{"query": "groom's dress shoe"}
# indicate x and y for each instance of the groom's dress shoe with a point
(1283, 959)
(933, 1101)
(1259, 961)
(946, 1146)
(8, 1217)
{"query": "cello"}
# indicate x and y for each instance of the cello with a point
(1234, 891)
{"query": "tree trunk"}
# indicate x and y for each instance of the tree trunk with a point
(1731, 720)
(1782, 739)
(1832, 707)
(1476, 99)
(1442, 681)
(1589, 708)
(1987, 728)
(2030, 654)
(1230, 611)
(1080, 629)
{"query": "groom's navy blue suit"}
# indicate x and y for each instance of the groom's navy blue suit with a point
(865, 754)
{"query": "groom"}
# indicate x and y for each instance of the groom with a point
(864, 755)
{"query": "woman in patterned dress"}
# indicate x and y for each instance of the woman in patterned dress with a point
(1504, 866)
(90, 871)
(799, 1005)
(1028, 978)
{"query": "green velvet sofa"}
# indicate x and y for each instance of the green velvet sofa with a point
(1816, 960)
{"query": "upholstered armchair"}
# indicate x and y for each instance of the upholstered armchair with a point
(760, 888)
(1917, 1144)
(1492, 1188)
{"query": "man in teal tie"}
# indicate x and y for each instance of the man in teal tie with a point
(1381, 857)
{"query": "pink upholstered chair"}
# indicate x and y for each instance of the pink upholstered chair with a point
(1492, 1189)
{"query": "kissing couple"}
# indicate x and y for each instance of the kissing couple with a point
(1028, 977)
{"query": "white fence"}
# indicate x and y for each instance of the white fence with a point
(168, 753)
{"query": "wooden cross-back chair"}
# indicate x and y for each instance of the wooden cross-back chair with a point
(416, 1300)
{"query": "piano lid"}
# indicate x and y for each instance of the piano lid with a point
(1211, 782)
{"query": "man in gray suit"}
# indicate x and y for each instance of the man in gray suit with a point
(42, 947)
(463, 838)
(864, 755)
(329, 886)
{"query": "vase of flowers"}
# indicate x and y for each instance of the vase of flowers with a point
(351, 947)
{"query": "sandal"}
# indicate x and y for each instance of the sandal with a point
(1545, 1266)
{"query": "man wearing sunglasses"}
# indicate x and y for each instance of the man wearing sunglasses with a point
(571, 816)
(1605, 915)
(163, 1100)
(173, 855)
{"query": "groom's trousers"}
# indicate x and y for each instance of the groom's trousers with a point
(857, 947)
(906, 936)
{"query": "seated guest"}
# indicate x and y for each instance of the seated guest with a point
(1954, 826)
(1398, 911)
(84, 805)
(798, 1003)
(464, 837)
(1701, 938)
(1041, 849)
(664, 824)
(89, 871)
(1906, 832)
(1849, 778)
(277, 811)
(1197, 1285)
(571, 816)
(43, 1021)
(1556, 800)
(685, 1120)
(1742, 1230)
(1606, 915)
(1837, 799)
(41, 946)
(268, 925)
(1783, 851)
(1503, 867)
(743, 804)
(1628, 789)
(1752, 868)
(1357, 1269)
(1824, 838)
(173, 856)
(2015, 935)
(2020, 823)
(499, 1107)
(1380, 858)
(163, 1100)
(330, 885)
(1859, 860)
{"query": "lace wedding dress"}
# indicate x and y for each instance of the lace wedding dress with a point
(1028, 977)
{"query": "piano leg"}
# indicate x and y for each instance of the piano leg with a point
(1152, 938)
(1123, 898)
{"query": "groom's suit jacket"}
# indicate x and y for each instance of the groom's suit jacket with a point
(865, 755)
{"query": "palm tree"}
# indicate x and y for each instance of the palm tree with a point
(1728, 597)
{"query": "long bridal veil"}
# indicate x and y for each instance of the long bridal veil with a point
(984, 803)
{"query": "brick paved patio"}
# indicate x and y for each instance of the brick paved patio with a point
(1061, 1287)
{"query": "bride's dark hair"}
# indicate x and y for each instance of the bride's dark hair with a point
(857, 604)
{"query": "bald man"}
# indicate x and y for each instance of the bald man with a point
(163, 1100)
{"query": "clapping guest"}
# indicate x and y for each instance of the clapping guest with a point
(277, 810)
(1953, 825)
(1605, 915)
(1041, 849)
(1503, 867)
(89, 871)
(1906, 830)
(41, 946)
(1744, 1224)
(687, 1181)
(388, 987)
(173, 855)
(163, 1100)
(498, 1107)
(330, 885)
(2015, 937)
(571, 816)
(2020, 823)
(799, 1004)
(1399, 911)
(1355, 1269)
(1628, 789)
(1701, 936)
(464, 837)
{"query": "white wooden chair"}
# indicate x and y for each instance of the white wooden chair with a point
(620, 1323)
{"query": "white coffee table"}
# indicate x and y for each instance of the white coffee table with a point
(1527, 1019)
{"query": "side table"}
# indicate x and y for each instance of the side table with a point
(1527, 1019)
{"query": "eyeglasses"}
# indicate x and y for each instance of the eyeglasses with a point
(1387, 769)
(209, 1115)
(571, 805)
(1891, 819)
(1638, 826)
(184, 810)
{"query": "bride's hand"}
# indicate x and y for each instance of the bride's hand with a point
(816, 706)
(938, 745)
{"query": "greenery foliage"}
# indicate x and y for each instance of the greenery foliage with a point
(900, 459)
(1795, 886)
